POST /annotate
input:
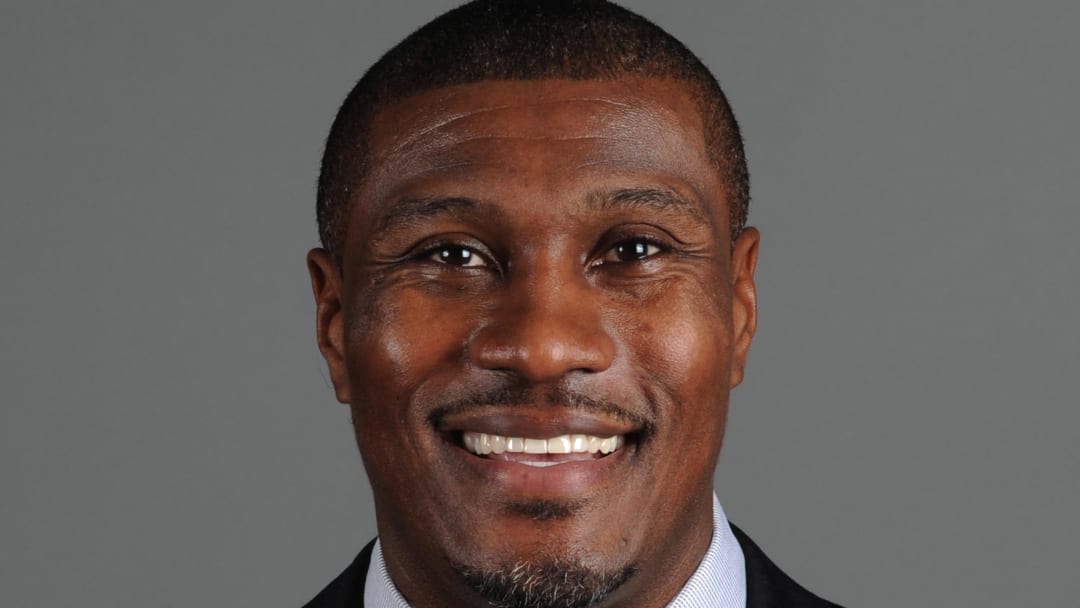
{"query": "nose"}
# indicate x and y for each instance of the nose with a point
(543, 327)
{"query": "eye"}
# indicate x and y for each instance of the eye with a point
(456, 255)
(631, 250)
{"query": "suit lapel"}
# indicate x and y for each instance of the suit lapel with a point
(347, 590)
(767, 586)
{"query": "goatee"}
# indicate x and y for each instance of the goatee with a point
(551, 583)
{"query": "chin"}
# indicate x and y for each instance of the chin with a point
(550, 554)
(544, 581)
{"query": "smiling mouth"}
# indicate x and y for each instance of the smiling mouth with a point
(534, 452)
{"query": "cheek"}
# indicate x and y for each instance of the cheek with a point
(397, 339)
(696, 357)
(683, 355)
(686, 350)
(377, 345)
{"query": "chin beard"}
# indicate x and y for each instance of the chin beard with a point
(550, 583)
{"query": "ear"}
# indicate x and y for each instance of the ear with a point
(327, 285)
(743, 299)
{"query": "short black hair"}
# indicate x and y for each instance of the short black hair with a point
(522, 40)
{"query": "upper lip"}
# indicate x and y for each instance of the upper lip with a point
(536, 423)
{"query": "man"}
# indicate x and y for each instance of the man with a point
(535, 292)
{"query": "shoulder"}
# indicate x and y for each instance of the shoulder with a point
(767, 586)
(347, 589)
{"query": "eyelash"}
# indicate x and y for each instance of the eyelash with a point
(439, 252)
(648, 242)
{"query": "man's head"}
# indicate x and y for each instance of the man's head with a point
(534, 299)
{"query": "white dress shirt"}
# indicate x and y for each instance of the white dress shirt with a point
(718, 582)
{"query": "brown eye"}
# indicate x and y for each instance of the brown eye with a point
(631, 250)
(457, 255)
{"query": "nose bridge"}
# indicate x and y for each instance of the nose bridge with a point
(547, 323)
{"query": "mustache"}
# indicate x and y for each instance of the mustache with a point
(523, 396)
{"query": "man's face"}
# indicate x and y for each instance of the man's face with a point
(531, 261)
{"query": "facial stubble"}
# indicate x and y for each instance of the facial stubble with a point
(546, 582)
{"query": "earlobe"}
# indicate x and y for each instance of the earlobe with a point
(743, 299)
(327, 287)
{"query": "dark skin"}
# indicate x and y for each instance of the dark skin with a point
(547, 239)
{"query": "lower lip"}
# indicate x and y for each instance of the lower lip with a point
(566, 480)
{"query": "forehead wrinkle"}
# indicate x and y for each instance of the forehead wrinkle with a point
(534, 138)
(456, 117)
(440, 124)
(445, 157)
(621, 104)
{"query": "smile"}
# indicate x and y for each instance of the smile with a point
(534, 452)
(541, 453)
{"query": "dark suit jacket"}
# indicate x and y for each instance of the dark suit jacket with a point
(766, 585)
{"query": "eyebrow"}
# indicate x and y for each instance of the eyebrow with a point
(663, 199)
(409, 210)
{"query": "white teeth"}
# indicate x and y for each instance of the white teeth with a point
(535, 446)
(559, 445)
(487, 443)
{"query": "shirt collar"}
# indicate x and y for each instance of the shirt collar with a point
(720, 578)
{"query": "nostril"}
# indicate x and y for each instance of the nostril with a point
(543, 334)
(544, 360)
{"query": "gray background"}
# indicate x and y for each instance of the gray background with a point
(907, 431)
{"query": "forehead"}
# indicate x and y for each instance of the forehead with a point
(542, 134)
